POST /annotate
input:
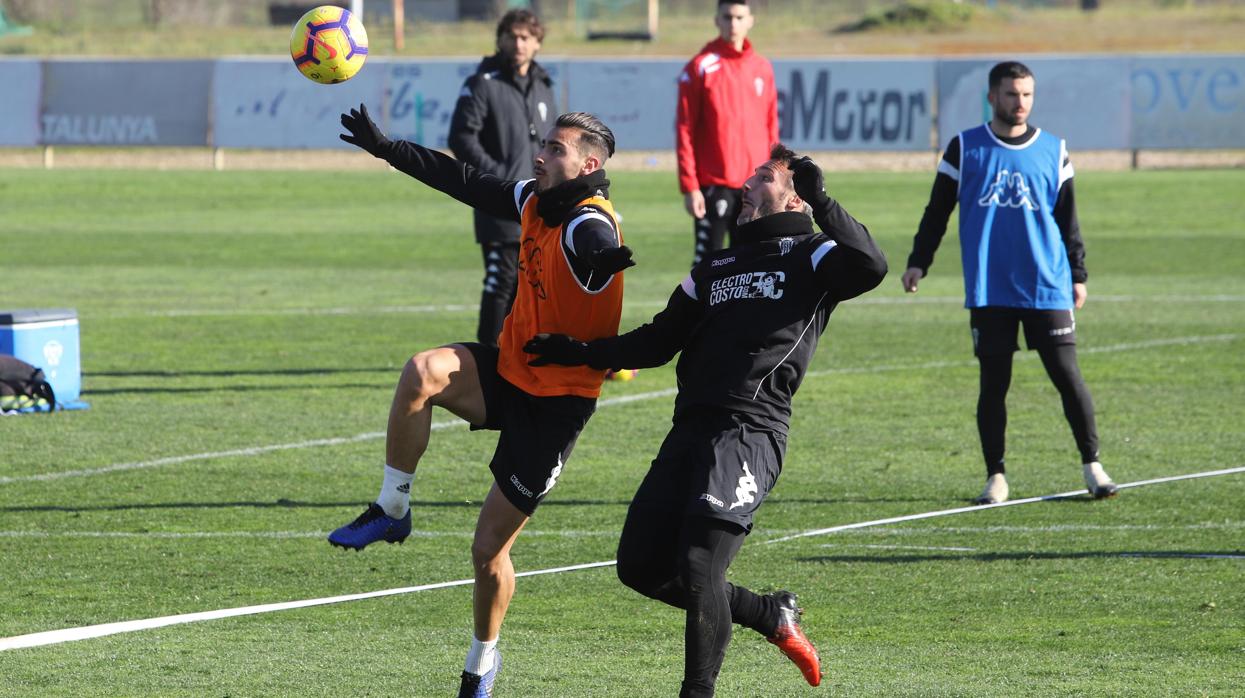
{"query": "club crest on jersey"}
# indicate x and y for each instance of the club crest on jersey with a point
(784, 246)
(748, 285)
(1009, 191)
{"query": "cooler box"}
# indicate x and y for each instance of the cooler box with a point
(47, 339)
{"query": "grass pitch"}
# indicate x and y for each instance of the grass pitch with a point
(241, 335)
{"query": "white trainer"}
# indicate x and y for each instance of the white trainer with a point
(995, 491)
(1098, 482)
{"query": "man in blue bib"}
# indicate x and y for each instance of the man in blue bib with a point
(1024, 264)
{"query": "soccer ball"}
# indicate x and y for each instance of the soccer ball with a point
(329, 44)
(624, 374)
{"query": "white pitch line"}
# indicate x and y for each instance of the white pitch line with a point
(52, 637)
(609, 402)
(277, 535)
(984, 507)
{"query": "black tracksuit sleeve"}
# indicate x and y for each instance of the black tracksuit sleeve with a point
(942, 200)
(1070, 229)
(465, 125)
(855, 264)
(479, 190)
(651, 344)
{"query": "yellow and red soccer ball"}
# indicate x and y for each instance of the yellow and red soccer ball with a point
(329, 44)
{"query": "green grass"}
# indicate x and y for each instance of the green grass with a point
(228, 311)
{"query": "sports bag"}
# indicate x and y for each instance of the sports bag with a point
(23, 387)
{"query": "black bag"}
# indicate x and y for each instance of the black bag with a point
(24, 386)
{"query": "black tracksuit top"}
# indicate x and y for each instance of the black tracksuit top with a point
(498, 125)
(748, 318)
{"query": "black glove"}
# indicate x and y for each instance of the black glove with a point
(810, 185)
(556, 349)
(363, 131)
(611, 260)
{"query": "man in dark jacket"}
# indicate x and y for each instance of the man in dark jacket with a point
(501, 115)
(747, 321)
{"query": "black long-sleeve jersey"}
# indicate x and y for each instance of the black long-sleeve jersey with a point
(748, 318)
(945, 195)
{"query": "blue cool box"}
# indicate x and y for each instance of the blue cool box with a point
(47, 339)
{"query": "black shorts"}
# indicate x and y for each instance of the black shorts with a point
(714, 465)
(995, 329)
(537, 433)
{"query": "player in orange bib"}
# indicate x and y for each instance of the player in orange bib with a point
(570, 282)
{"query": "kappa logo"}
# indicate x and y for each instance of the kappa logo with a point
(531, 264)
(720, 206)
(1010, 190)
(748, 285)
(553, 478)
(746, 489)
(514, 480)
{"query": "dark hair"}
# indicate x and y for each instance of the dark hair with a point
(732, 2)
(783, 154)
(593, 133)
(1008, 69)
(522, 18)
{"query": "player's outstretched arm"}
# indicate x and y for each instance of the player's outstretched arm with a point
(477, 189)
(648, 345)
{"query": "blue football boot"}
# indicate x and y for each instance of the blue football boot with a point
(477, 686)
(371, 526)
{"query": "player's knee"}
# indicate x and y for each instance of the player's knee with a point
(636, 575)
(485, 556)
(424, 375)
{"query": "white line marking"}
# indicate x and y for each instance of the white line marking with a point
(1057, 528)
(984, 507)
(52, 637)
(609, 402)
(277, 535)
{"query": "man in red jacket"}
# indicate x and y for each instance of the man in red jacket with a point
(727, 121)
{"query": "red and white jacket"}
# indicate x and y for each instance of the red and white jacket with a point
(727, 116)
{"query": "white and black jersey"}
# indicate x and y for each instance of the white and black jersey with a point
(748, 318)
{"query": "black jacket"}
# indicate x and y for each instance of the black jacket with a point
(747, 319)
(497, 127)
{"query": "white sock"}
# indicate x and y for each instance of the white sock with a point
(480, 656)
(395, 492)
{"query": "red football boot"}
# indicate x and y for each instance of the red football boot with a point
(790, 638)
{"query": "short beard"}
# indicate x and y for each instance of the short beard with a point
(765, 209)
(1008, 118)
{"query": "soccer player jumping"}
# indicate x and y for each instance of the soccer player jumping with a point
(747, 321)
(571, 259)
